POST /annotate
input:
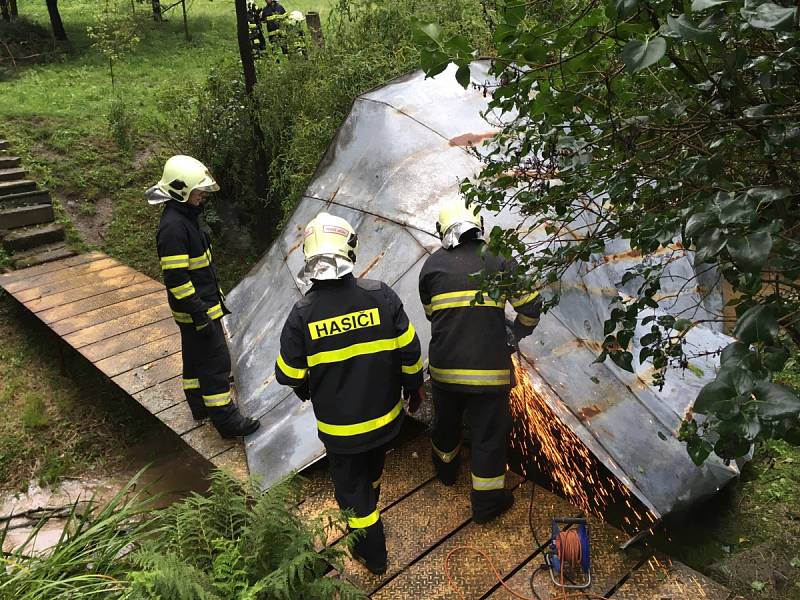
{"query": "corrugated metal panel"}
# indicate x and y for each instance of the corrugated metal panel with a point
(401, 149)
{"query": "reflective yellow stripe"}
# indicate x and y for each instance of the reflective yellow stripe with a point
(217, 399)
(181, 291)
(215, 312)
(446, 457)
(348, 352)
(428, 309)
(191, 384)
(483, 484)
(290, 371)
(472, 376)
(362, 522)
(463, 298)
(199, 262)
(517, 302)
(176, 261)
(377, 483)
(527, 321)
(365, 427)
(415, 368)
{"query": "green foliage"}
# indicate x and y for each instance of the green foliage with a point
(237, 543)
(675, 126)
(115, 31)
(122, 124)
(300, 102)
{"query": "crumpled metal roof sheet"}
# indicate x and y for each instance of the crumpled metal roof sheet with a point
(400, 150)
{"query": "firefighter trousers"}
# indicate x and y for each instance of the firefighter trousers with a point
(206, 373)
(357, 486)
(488, 418)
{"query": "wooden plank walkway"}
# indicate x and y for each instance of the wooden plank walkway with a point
(119, 320)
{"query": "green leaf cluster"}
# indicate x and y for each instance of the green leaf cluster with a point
(675, 127)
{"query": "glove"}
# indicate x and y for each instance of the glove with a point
(202, 325)
(413, 399)
(302, 391)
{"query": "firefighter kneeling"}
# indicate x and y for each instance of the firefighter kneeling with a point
(349, 347)
(470, 356)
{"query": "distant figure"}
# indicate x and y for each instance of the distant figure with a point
(257, 41)
(271, 15)
(194, 294)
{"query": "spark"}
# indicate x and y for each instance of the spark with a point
(543, 438)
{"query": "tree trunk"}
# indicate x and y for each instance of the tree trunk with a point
(5, 13)
(249, 68)
(14, 12)
(245, 51)
(55, 21)
(157, 10)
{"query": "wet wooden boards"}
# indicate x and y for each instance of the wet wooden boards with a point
(119, 320)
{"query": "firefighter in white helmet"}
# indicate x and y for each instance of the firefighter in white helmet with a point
(470, 356)
(194, 294)
(349, 347)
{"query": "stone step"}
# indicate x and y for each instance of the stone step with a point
(22, 216)
(41, 254)
(30, 237)
(12, 174)
(9, 162)
(25, 199)
(16, 187)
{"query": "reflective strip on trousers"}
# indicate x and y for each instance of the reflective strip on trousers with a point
(415, 368)
(446, 457)
(364, 427)
(517, 302)
(484, 484)
(176, 261)
(217, 399)
(182, 291)
(471, 376)
(348, 352)
(464, 298)
(215, 312)
(377, 483)
(362, 522)
(527, 321)
(290, 371)
(191, 384)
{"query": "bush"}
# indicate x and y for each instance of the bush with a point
(300, 102)
(121, 124)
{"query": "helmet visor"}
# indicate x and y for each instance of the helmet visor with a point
(155, 195)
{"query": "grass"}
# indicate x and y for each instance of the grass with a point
(63, 117)
(55, 423)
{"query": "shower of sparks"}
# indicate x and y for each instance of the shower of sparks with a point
(542, 437)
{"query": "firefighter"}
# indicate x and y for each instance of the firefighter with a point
(349, 347)
(272, 15)
(194, 294)
(470, 356)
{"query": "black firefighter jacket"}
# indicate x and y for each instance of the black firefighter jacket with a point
(469, 350)
(350, 342)
(185, 253)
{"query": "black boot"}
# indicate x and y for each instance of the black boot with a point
(230, 423)
(490, 505)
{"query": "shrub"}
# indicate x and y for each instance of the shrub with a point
(300, 102)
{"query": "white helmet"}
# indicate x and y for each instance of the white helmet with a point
(182, 175)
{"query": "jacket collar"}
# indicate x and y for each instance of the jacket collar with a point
(186, 209)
